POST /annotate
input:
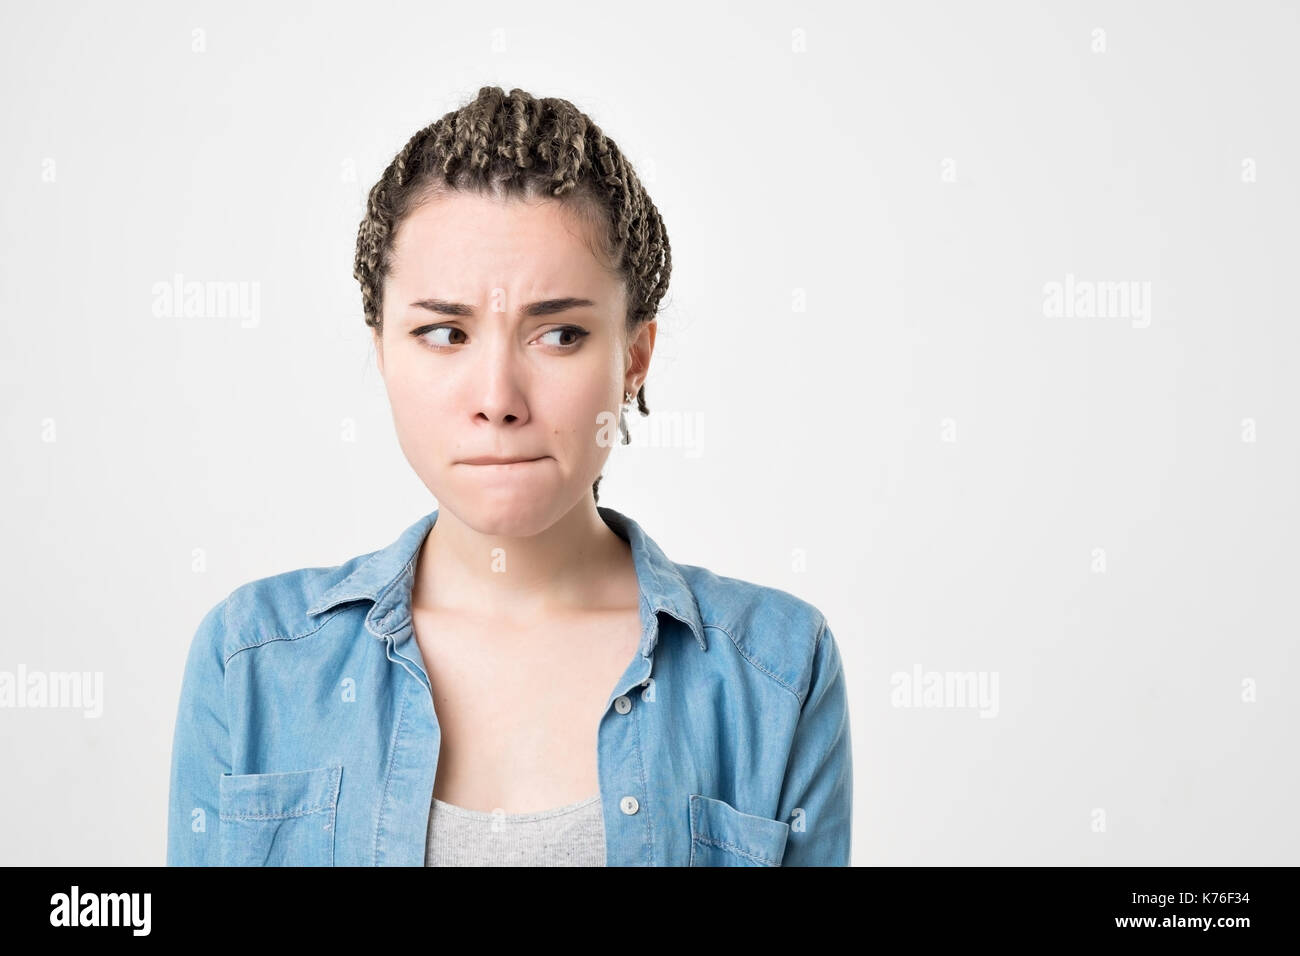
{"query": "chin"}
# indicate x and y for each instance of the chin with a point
(510, 513)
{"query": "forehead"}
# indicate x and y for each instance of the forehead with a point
(480, 240)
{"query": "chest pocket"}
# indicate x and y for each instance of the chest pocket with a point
(721, 835)
(279, 819)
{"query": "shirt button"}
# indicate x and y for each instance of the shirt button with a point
(629, 805)
(622, 705)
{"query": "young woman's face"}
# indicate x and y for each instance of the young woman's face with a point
(504, 337)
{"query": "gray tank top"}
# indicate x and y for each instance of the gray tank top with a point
(572, 835)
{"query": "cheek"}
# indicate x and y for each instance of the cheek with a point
(574, 413)
(418, 407)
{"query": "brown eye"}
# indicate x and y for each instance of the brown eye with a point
(429, 335)
(571, 330)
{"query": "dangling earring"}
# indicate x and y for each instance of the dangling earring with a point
(622, 418)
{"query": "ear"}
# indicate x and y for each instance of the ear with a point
(639, 351)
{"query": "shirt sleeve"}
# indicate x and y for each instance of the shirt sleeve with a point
(817, 793)
(200, 750)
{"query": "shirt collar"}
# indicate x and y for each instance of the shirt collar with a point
(386, 576)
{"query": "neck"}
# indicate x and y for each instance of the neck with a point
(563, 569)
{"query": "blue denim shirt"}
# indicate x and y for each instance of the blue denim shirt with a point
(306, 733)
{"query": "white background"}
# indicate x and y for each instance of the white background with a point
(865, 203)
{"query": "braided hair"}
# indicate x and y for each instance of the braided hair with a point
(518, 146)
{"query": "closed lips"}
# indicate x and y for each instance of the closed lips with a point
(496, 461)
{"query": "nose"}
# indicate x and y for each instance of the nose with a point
(500, 396)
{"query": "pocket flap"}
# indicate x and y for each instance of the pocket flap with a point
(279, 819)
(721, 835)
(266, 796)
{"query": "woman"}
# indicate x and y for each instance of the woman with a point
(522, 677)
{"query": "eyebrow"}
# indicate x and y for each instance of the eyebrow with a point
(544, 307)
